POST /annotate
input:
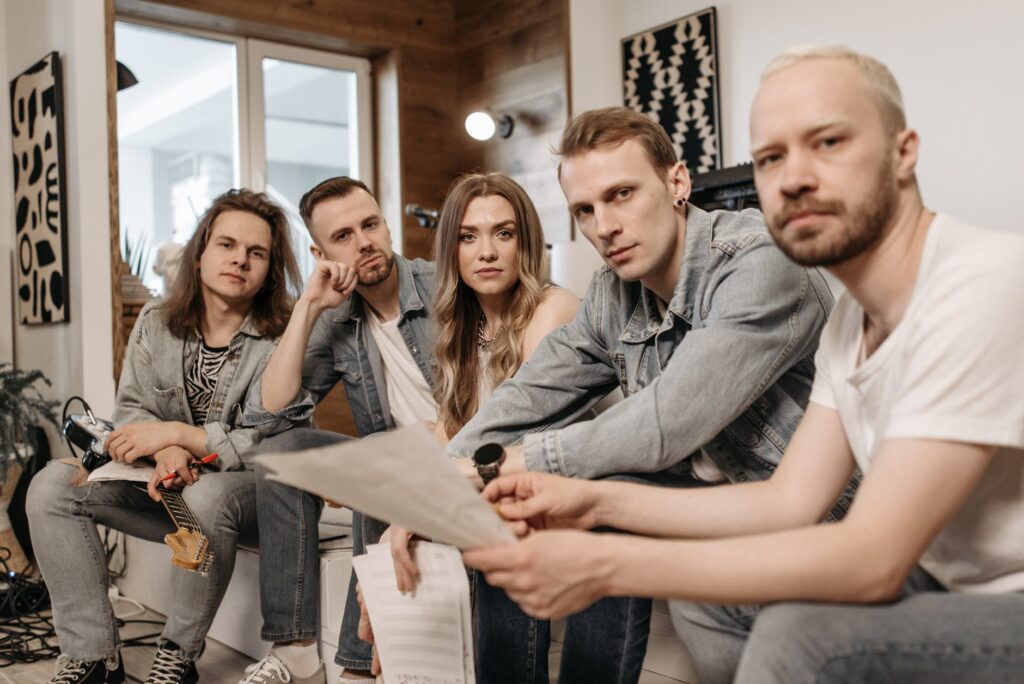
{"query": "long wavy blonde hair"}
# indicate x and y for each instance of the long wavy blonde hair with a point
(457, 310)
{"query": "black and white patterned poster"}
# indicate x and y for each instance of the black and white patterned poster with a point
(670, 73)
(40, 205)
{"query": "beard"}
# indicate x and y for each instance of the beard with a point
(861, 226)
(379, 273)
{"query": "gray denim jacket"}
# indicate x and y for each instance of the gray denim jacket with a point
(341, 347)
(728, 370)
(152, 386)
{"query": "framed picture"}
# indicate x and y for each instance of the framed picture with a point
(40, 199)
(670, 73)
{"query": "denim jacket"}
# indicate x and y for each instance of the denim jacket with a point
(341, 348)
(728, 370)
(152, 386)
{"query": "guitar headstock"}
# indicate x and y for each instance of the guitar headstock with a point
(188, 548)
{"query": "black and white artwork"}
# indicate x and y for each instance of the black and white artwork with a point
(40, 204)
(670, 73)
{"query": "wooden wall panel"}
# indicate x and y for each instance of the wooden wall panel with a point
(513, 59)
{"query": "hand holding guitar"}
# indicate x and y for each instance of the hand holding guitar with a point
(172, 460)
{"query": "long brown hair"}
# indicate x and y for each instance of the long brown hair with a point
(183, 306)
(457, 310)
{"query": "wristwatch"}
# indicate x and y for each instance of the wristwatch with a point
(487, 460)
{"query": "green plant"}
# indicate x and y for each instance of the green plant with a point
(136, 252)
(21, 407)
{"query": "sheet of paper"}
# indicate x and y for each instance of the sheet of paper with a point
(140, 471)
(422, 637)
(402, 477)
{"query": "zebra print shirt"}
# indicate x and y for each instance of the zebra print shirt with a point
(201, 380)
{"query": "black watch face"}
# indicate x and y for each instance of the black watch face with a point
(488, 454)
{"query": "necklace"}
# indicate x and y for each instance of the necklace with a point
(482, 341)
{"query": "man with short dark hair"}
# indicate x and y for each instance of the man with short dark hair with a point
(919, 383)
(700, 319)
(363, 320)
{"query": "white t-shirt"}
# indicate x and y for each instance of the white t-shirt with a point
(408, 392)
(951, 370)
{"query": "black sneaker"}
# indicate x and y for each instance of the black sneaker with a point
(69, 671)
(171, 667)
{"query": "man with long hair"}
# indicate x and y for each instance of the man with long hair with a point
(701, 320)
(190, 362)
(364, 320)
(919, 383)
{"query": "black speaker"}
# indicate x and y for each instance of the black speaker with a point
(16, 509)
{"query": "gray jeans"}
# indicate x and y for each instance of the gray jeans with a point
(63, 519)
(928, 636)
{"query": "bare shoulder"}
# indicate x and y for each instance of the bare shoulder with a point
(558, 308)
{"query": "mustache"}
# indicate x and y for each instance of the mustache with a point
(807, 204)
(371, 257)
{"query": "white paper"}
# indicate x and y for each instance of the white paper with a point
(422, 637)
(139, 471)
(403, 477)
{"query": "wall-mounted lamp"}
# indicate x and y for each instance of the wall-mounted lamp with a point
(483, 124)
(425, 217)
(125, 77)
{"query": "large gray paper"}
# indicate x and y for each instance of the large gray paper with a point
(403, 477)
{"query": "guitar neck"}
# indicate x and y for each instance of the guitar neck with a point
(179, 511)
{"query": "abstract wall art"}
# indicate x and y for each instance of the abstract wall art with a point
(40, 202)
(670, 73)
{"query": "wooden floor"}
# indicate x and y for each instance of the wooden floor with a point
(219, 664)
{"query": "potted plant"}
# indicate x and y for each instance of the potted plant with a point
(22, 407)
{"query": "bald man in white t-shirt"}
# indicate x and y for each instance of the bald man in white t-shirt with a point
(920, 383)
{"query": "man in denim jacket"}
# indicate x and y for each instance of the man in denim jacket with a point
(191, 359)
(705, 325)
(364, 320)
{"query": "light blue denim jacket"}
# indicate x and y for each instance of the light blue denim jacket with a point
(728, 370)
(152, 386)
(341, 347)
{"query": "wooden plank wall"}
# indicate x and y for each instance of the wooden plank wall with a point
(513, 57)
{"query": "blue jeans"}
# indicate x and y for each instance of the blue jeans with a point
(289, 538)
(929, 635)
(606, 642)
(63, 519)
(354, 653)
(290, 575)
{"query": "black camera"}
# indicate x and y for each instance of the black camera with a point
(88, 433)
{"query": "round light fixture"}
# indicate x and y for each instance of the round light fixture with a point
(482, 125)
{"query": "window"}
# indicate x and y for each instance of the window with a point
(212, 112)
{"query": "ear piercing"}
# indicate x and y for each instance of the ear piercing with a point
(681, 201)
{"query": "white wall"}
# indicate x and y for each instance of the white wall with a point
(76, 356)
(957, 63)
(6, 214)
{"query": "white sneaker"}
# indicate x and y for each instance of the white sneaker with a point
(271, 670)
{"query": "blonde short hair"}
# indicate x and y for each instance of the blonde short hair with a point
(875, 74)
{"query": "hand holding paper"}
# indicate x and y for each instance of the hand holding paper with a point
(403, 477)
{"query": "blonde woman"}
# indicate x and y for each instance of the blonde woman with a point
(493, 305)
(494, 302)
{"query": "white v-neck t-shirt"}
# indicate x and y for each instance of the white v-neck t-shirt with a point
(409, 395)
(951, 370)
